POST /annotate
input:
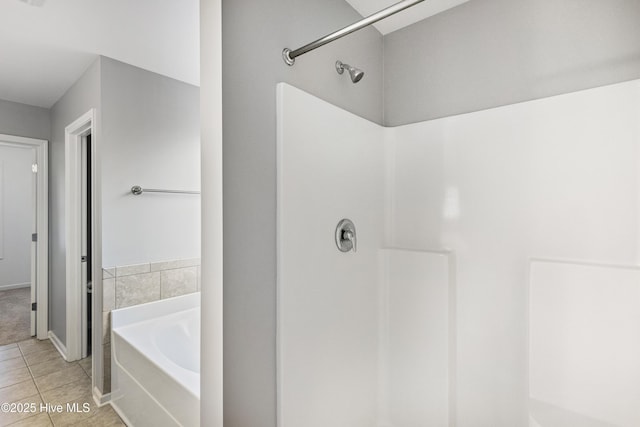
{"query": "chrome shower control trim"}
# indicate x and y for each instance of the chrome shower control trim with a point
(346, 239)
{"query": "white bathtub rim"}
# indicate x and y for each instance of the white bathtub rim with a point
(145, 345)
(153, 309)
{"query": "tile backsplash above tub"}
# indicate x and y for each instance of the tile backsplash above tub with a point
(129, 285)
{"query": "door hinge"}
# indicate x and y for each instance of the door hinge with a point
(34, 168)
(34, 237)
(34, 306)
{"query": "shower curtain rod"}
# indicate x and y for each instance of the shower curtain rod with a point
(290, 56)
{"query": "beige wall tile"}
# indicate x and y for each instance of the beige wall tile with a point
(108, 273)
(178, 263)
(178, 282)
(128, 270)
(108, 294)
(106, 351)
(137, 289)
(106, 327)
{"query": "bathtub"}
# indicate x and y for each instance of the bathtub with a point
(155, 366)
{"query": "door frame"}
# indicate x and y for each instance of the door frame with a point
(74, 134)
(41, 147)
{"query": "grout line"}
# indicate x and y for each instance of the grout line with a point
(21, 352)
(85, 372)
(40, 395)
(34, 384)
(64, 385)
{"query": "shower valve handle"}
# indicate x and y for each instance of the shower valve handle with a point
(346, 236)
(351, 237)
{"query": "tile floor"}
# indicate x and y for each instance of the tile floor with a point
(33, 372)
(15, 315)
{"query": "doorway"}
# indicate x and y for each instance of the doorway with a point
(83, 263)
(23, 239)
(86, 258)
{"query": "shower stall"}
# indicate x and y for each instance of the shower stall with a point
(493, 248)
(479, 269)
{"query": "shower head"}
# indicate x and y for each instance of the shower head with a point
(355, 73)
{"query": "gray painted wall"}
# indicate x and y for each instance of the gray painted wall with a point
(24, 120)
(150, 137)
(80, 98)
(17, 210)
(253, 38)
(31, 122)
(488, 53)
(212, 372)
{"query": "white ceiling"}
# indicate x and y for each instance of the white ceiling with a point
(46, 45)
(406, 17)
(45, 49)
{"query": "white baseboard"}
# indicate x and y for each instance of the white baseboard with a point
(62, 349)
(99, 398)
(15, 286)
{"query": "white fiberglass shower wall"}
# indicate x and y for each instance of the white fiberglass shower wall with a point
(496, 281)
(349, 351)
(327, 300)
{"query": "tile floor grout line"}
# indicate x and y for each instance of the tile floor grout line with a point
(33, 379)
(40, 392)
(34, 384)
(38, 388)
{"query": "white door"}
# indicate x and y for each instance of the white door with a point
(34, 242)
(84, 278)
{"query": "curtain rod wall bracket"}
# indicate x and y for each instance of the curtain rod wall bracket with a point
(288, 59)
